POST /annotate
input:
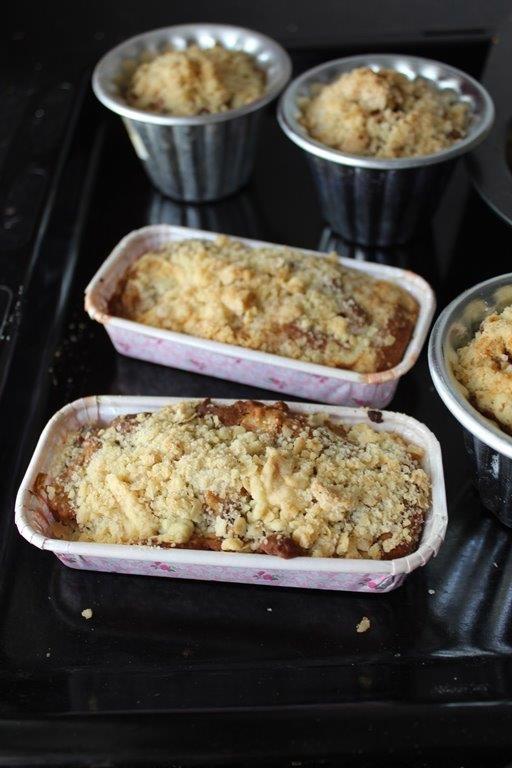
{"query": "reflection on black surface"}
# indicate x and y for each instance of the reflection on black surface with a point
(137, 377)
(481, 251)
(171, 612)
(508, 148)
(474, 601)
(159, 625)
(418, 256)
(235, 216)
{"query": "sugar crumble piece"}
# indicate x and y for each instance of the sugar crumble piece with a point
(87, 613)
(364, 625)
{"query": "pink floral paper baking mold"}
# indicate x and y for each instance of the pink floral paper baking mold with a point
(302, 579)
(34, 519)
(249, 366)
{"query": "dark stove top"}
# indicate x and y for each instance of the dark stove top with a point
(190, 673)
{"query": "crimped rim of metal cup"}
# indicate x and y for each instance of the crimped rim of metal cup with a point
(108, 69)
(435, 71)
(444, 381)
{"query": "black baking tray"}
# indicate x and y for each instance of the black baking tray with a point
(191, 673)
(491, 163)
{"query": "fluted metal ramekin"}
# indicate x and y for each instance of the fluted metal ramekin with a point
(201, 157)
(381, 201)
(489, 447)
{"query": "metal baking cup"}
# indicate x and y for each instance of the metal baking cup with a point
(489, 447)
(201, 157)
(380, 201)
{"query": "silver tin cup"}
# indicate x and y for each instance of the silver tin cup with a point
(489, 447)
(202, 157)
(379, 201)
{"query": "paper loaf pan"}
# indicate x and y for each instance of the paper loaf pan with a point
(34, 520)
(250, 366)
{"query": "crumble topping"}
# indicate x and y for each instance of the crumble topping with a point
(274, 299)
(242, 478)
(196, 81)
(484, 368)
(384, 114)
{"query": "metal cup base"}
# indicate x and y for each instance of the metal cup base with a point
(493, 477)
(197, 163)
(378, 207)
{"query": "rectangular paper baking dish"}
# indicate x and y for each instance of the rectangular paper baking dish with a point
(34, 519)
(249, 366)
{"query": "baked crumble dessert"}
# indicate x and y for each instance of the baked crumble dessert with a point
(484, 368)
(196, 81)
(384, 114)
(273, 299)
(247, 477)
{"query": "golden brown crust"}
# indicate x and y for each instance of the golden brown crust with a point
(246, 477)
(253, 415)
(53, 494)
(399, 328)
(272, 299)
(282, 546)
(405, 548)
(210, 543)
(52, 490)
